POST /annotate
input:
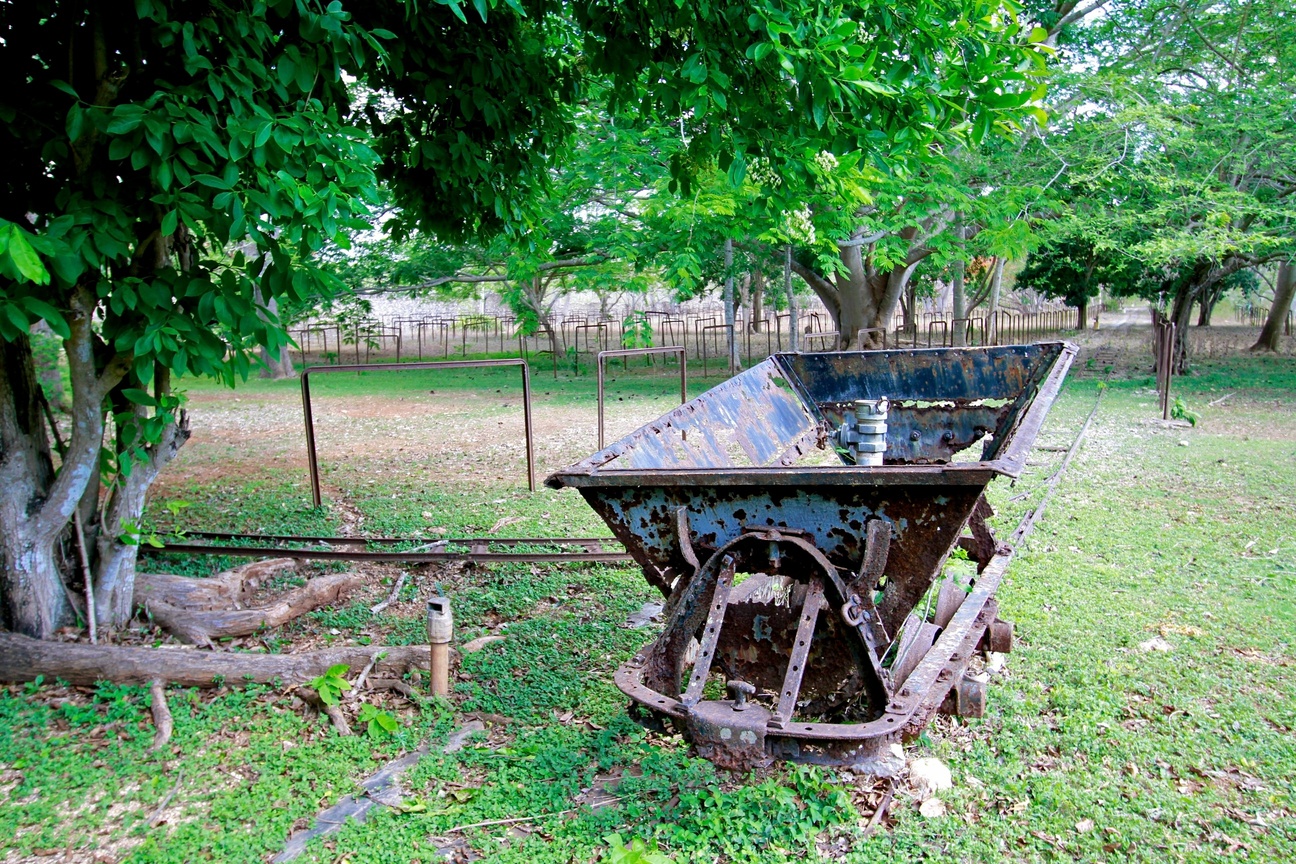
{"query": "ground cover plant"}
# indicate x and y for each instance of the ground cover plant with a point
(1146, 713)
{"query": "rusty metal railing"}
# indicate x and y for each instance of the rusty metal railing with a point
(312, 455)
(640, 352)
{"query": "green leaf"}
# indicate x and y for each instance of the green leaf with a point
(169, 223)
(68, 267)
(75, 122)
(53, 317)
(139, 397)
(16, 317)
(286, 70)
(1038, 34)
(211, 181)
(126, 118)
(65, 87)
(24, 257)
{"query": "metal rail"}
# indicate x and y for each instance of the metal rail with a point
(392, 541)
(311, 453)
(640, 352)
(596, 550)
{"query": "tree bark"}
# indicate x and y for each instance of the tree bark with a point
(757, 300)
(114, 566)
(911, 308)
(162, 722)
(32, 585)
(791, 298)
(23, 658)
(1180, 315)
(729, 306)
(37, 503)
(958, 333)
(992, 311)
(1285, 291)
(1082, 313)
(222, 591)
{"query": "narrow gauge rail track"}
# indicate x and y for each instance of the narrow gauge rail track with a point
(590, 550)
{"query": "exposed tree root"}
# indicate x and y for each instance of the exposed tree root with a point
(332, 712)
(200, 611)
(161, 714)
(203, 627)
(222, 591)
(23, 658)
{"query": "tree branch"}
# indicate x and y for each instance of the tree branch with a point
(89, 389)
(818, 284)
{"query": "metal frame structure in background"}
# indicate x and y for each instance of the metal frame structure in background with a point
(311, 453)
(640, 352)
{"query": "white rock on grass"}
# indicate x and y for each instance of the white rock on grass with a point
(1156, 643)
(932, 808)
(927, 776)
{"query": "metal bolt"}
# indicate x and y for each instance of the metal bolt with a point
(738, 693)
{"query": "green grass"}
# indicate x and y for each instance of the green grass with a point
(1091, 750)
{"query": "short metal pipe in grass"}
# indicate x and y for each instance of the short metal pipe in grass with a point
(440, 630)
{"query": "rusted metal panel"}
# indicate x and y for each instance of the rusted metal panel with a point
(750, 420)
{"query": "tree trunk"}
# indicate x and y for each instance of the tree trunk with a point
(992, 311)
(757, 301)
(1082, 314)
(35, 600)
(791, 297)
(860, 296)
(1181, 315)
(910, 305)
(279, 365)
(958, 333)
(729, 306)
(114, 567)
(1209, 299)
(1271, 333)
(534, 294)
(22, 659)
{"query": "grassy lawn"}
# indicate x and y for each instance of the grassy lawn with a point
(1096, 745)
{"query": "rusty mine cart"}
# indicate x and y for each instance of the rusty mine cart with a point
(795, 517)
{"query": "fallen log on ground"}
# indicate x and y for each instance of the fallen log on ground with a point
(23, 658)
(204, 626)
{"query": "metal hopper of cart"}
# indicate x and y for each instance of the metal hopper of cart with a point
(794, 569)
